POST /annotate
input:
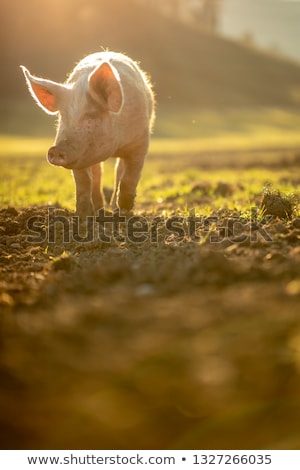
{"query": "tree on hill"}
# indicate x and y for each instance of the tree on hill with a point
(205, 14)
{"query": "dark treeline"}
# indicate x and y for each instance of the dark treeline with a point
(189, 68)
(49, 36)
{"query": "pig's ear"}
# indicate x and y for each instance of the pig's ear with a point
(105, 87)
(45, 92)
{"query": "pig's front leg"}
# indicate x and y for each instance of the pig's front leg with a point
(97, 193)
(83, 180)
(88, 194)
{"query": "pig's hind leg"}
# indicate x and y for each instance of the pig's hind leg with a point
(119, 171)
(132, 169)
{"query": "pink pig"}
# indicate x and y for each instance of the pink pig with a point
(106, 109)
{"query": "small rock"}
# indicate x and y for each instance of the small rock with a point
(293, 287)
(36, 267)
(65, 262)
(293, 236)
(16, 246)
(145, 290)
(6, 299)
(224, 189)
(201, 187)
(277, 205)
(11, 240)
(11, 211)
(296, 222)
(12, 228)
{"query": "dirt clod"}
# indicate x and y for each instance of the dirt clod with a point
(279, 205)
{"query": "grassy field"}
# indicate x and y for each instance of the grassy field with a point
(190, 141)
(186, 339)
(30, 180)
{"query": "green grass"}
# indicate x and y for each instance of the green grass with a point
(208, 146)
(225, 128)
(21, 147)
(167, 180)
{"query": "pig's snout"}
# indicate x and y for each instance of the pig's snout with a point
(57, 157)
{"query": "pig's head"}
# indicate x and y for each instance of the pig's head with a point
(84, 105)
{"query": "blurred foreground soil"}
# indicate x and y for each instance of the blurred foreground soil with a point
(170, 343)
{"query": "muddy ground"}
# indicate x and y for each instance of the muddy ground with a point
(187, 338)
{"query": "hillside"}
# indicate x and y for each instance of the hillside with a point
(272, 24)
(189, 69)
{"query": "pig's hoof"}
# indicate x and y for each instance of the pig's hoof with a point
(126, 203)
(83, 220)
(85, 209)
(126, 213)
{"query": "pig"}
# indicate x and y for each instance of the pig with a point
(106, 108)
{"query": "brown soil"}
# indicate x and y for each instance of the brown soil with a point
(170, 343)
